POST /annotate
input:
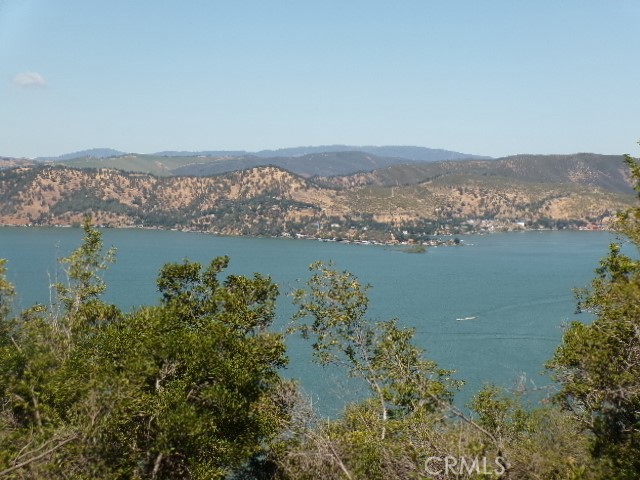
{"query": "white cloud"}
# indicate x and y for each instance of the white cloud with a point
(30, 80)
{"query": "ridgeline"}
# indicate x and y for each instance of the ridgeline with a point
(399, 202)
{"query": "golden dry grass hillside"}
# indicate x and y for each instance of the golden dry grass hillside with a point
(451, 197)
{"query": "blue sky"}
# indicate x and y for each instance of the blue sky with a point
(486, 77)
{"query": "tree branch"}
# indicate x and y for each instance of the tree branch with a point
(37, 457)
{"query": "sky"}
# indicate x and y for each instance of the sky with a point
(487, 77)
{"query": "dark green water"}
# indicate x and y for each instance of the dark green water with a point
(518, 286)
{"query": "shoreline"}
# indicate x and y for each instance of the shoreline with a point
(441, 240)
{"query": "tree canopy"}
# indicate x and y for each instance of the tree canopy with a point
(598, 363)
(189, 388)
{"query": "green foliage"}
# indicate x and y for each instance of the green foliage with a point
(542, 442)
(86, 200)
(408, 417)
(385, 435)
(7, 291)
(186, 389)
(381, 353)
(598, 364)
(500, 414)
(415, 249)
(82, 269)
(38, 346)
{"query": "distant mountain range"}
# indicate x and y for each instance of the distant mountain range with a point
(420, 154)
(420, 198)
(91, 153)
(364, 165)
(306, 161)
(308, 165)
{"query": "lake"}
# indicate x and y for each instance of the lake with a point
(513, 290)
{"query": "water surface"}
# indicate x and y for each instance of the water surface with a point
(492, 310)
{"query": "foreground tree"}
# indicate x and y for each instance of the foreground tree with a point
(408, 426)
(386, 435)
(381, 353)
(186, 389)
(6, 292)
(35, 349)
(538, 441)
(598, 364)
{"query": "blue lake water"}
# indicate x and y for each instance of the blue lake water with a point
(517, 286)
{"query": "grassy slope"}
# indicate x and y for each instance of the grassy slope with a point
(560, 187)
(315, 164)
(604, 171)
(155, 165)
(471, 196)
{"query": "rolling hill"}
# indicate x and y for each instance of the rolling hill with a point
(91, 153)
(306, 161)
(308, 165)
(414, 199)
(422, 154)
(603, 171)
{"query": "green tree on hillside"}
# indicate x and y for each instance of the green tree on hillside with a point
(381, 353)
(386, 434)
(189, 388)
(598, 364)
(6, 291)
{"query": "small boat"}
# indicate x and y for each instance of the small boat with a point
(465, 318)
